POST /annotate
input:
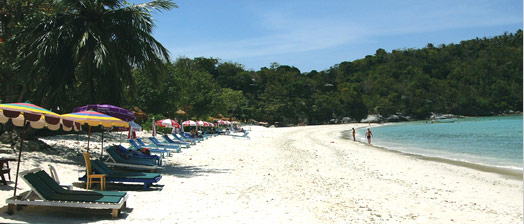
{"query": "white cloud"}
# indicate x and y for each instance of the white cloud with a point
(285, 35)
(288, 30)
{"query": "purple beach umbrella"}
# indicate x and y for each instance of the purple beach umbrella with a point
(110, 110)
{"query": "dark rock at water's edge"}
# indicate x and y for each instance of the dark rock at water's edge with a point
(509, 112)
(377, 118)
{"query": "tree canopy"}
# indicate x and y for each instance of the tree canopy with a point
(475, 77)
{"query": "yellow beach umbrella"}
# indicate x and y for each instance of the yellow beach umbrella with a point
(22, 113)
(93, 118)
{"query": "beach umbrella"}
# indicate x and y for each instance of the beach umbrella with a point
(168, 123)
(200, 123)
(133, 127)
(153, 125)
(37, 117)
(93, 118)
(189, 123)
(110, 110)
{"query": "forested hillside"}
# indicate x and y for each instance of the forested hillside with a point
(482, 76)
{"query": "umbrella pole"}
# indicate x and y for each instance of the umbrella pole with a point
(102, 149)
(19, 157)
(88, 136)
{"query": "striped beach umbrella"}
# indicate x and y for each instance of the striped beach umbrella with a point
(93, 118)
(36, 116)
(22, 113)
(110, 110)
(168, 123)
(189, 123)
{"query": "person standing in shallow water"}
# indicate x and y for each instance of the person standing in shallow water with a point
(353, 129)
(369, 135)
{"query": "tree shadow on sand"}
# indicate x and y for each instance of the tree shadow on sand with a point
(35, 214)
(191, 171)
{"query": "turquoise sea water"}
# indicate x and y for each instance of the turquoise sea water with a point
(491, 141)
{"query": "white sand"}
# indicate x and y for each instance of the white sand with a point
(290, 175)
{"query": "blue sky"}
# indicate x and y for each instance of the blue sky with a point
(315, 35)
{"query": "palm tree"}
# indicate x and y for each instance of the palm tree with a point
(84, 52)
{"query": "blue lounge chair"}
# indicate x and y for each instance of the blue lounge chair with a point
(171, 141)
(138, 146)
(188, 136)
(138, 155)
(157, 143)
(115, 159)
(192, 141)
(162, 146)
(245, 135)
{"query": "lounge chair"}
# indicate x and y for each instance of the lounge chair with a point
(245, 135)
(99, 167)
(46, 192)
(115, 159)
(162, 152)
(130, 153)
(169, 149)
(54, 175)
(192, 141)
(168, 140)
(157, 143)
(188, 136)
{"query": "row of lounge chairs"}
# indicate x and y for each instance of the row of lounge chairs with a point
(46, 190)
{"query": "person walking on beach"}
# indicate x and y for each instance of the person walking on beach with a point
(353, 129)
(369, 135)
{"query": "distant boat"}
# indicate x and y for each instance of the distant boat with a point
(444, 120)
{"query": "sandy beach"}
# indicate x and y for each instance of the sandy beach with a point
(282, 175)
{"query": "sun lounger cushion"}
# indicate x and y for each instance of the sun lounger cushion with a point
(43, 189)
(116, 156)
(100, 167)
(51, 183)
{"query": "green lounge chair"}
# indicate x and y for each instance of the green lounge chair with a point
(99, 167)
(46, 192)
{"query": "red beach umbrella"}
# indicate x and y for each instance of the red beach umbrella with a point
(200, 123)
(168, 123)
(189, 123)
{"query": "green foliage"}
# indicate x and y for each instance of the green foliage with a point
(83, 51)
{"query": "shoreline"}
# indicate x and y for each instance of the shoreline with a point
(506, 172)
